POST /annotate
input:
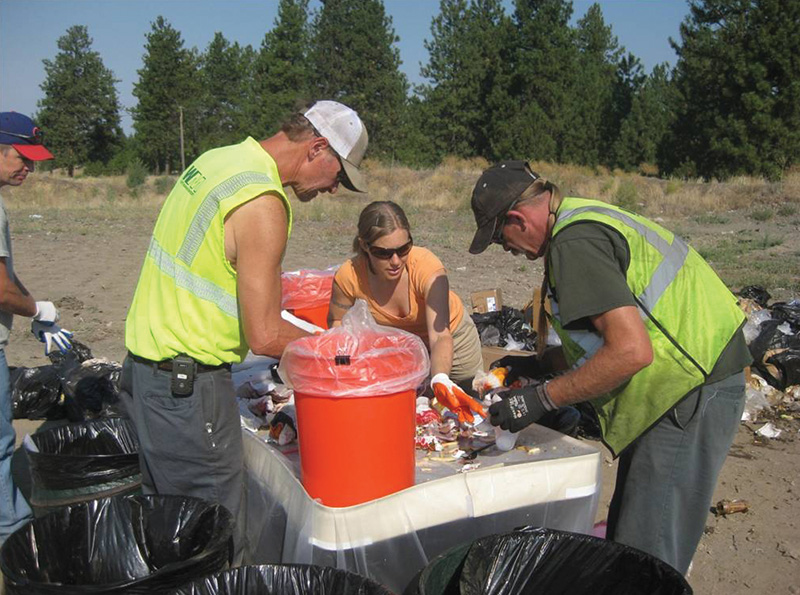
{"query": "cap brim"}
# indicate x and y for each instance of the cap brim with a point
(355, 179)
(33, 152)
(483, 237)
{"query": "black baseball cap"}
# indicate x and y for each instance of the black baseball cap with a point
(498, 188)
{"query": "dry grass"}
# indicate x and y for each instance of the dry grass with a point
(446, 188)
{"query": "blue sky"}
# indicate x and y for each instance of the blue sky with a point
(29, 30)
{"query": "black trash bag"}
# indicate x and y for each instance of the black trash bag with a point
(538, 560)
(132, 544)
(36, 393)
(770, 338)
(787, 312)
(94, 387)
(498, 328)
(84, 454)
(788, 364)
(756, 293)
(78, 354)
(290, 579)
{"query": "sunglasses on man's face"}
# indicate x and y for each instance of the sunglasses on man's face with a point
(500, 223)
(37, 138)
(388, 253)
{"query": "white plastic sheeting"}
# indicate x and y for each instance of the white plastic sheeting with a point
(550, 480)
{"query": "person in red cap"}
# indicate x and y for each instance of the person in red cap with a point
(20, 146)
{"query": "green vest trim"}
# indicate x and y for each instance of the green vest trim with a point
(195, 284)
(686, 342)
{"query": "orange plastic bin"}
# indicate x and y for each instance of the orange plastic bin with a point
(307, 294)
(355, 394)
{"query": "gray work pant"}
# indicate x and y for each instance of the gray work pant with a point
(188, 446)
(666, 479)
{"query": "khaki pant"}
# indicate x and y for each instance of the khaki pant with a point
(467, 357)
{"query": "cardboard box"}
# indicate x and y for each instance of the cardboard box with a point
(531, 310)
(493, 353)
(487, 301)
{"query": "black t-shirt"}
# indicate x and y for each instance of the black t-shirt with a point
(589, 262)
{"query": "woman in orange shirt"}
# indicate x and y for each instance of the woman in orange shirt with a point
(406, 287)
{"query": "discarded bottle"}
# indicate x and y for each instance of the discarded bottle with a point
(725, 507)
(503, 439)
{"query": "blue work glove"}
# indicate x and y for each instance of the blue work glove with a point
(51, 334)
(520, 407)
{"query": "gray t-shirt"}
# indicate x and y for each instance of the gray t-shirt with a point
(5, 252)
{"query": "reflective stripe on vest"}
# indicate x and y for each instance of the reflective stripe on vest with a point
(210, 206)
(195, 284)
(673, 257)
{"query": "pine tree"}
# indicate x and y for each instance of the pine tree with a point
(469, 60)
(281, 74)
(224, 70)
(358, 63)
(80, 108)
(544, 76)
(738, 75)
(591, 130)
(644, 127)
(168, 90)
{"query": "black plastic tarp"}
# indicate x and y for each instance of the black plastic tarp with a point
(536, 560)
(503, 326)
(131, 545)
(291, 579)
(84, 454)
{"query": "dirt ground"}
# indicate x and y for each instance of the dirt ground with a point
(88, 263)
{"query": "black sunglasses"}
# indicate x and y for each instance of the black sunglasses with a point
(499, 223)
(388, 253)
(37, 138)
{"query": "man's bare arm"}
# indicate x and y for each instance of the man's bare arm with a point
(256, 233)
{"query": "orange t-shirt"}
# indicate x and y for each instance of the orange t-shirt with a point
(422, 264)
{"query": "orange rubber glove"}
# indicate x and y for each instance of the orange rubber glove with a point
(456, 400)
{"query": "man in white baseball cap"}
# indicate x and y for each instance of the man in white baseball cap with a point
(210, 289)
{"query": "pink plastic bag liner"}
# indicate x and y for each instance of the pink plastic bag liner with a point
(307, 288)
(360, 358)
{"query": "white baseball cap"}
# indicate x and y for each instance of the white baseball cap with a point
(346, 135)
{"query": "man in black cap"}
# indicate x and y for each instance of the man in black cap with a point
(651, 338)
(20, 146)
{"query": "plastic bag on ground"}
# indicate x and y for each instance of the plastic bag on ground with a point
(293, 579)
(538, 560)
(84, 454)
(36, 393)
(360, 358)
(133, 544)
(756, 293)
(505, 328)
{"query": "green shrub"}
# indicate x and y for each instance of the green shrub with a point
(762, 214)
(787, 210)
(137, 174)
(94, 169)
(163, 184)
(626, 196)
(672, 186)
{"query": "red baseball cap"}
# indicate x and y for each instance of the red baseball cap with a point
(20, 132)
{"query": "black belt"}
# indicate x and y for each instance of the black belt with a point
(166, 364)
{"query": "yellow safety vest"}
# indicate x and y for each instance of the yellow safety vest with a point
(186, 298)
(688, 312)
